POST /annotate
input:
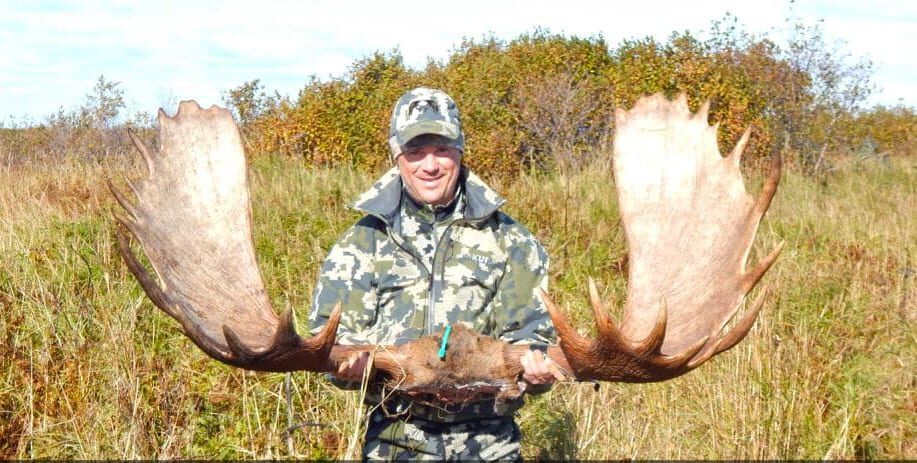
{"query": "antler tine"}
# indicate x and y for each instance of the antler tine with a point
(702, 113)
(124, 202)
(736, 155)
(603, 321)
(741, 329)
(680, 362)
(597, 305)
(652, 343)
(729, 339)
(770, 187)
(131, 186)
(756, 213)
(144, 151)
(149, 285)
(751, 279)
(724, 340)
(565, 332)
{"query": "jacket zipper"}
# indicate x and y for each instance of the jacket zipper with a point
(428, 325)
(420, 263)
(431, 272)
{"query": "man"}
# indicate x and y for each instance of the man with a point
(434, 250)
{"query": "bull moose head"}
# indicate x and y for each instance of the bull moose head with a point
(689, 227)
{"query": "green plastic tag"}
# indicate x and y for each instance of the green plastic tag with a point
(442, 347)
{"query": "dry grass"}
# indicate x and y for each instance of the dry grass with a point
(89, 369)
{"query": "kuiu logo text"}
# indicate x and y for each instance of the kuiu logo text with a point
(484, 260)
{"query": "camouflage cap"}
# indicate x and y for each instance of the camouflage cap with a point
(425, 111)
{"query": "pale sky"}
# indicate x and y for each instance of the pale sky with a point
(164, 51)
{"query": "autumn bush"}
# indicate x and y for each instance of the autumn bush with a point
(544, 100)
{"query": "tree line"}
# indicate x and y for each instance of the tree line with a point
(546, 101)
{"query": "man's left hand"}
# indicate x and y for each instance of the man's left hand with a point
(538, 369)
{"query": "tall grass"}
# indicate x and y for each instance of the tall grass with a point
(89, 368)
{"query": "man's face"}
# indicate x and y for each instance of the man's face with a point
(430, 173)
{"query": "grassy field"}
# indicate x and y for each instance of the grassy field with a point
(90, 369)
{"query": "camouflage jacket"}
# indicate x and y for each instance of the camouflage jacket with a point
(405, 271)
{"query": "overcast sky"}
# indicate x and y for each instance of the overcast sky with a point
(163, 51)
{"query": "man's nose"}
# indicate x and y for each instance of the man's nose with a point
(429, 164)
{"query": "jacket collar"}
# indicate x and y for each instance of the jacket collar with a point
(384, 198)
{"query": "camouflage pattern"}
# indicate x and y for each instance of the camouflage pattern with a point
(407, 270)
(394, 439)
(425, 111)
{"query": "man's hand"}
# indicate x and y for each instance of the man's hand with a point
(539, 369)
(353, 368)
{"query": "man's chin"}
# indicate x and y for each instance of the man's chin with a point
(432, 198)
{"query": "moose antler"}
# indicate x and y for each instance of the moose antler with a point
(689, 225)
(193, 219)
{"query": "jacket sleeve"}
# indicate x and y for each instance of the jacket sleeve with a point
(520, 314)
(348, 277)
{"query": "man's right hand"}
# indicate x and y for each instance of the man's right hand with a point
(352, 369)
